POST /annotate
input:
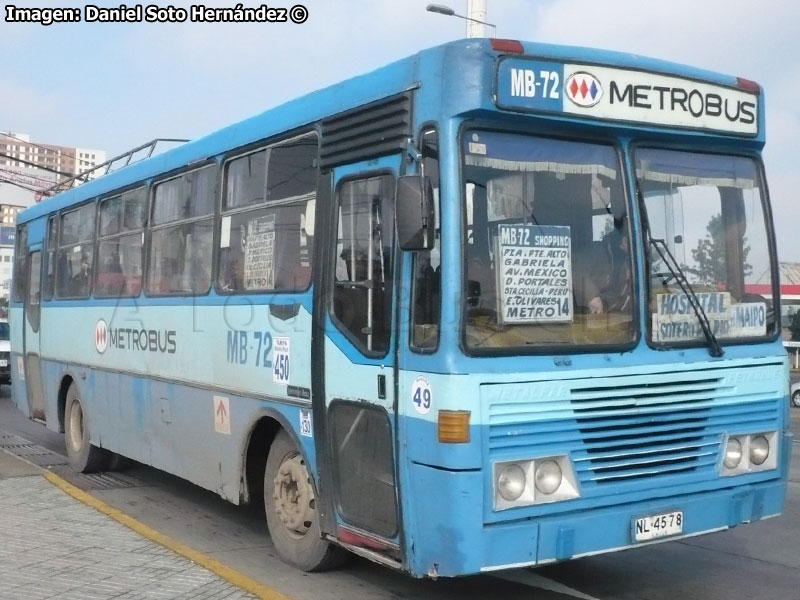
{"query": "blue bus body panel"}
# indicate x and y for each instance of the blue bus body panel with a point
(170, 425)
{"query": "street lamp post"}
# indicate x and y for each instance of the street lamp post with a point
(475, 27)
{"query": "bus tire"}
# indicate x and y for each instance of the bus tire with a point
(291, 510)
(83, 456)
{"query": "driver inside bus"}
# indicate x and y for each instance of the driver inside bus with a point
(613, 284)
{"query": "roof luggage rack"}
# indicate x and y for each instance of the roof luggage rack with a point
(134, 155)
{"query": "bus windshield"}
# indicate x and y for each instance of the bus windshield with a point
(707, 210)
(4, 331)
(547, 244)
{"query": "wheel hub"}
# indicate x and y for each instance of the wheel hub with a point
(294, 496)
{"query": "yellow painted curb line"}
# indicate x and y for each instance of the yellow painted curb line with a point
(213, 565)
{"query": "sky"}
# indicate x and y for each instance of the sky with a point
(114, 86)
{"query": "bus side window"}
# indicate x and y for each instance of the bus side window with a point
(426, 282)
(119, 251)
(20, 264)
(75, 258)
(49, 283)
(181, 234)
(266, 238)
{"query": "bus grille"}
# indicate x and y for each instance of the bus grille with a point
(626, 431)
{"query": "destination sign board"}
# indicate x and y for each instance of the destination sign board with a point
(624, 95)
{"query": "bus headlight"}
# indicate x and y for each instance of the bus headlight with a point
(548, 477)
(534, 481)
(511, 482)
(750, 453)
(759, 450)
(733, 453)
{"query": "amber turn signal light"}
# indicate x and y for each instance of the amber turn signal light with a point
(452, 426)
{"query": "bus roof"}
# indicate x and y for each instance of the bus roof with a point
(442, 66)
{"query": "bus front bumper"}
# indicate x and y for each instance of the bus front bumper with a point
(450, 537)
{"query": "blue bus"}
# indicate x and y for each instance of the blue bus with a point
(485, 307)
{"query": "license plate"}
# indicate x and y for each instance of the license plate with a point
(658, 526)
(3, 363)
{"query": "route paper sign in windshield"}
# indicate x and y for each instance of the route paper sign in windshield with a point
(259, 253)
(535, 274)
(676, 321)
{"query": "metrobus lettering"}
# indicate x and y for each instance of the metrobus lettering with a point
(692, 101)
(145, 340)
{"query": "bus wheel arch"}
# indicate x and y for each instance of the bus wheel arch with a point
(264, 429)
(256, 449)
(66, 381)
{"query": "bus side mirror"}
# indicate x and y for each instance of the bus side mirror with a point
(413, 213)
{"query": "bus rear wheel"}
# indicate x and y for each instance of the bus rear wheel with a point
(83, 456)
(291, 510)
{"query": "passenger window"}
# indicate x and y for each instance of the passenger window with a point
(427, 277)
(362, 295)
(75, 258)
(181, 234)
(20, 264)
(33, 306)
(244, 180)
(49, 271)
(119, 250)
(267, 232)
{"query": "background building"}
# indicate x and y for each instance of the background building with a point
(27, 170)
(17, 150)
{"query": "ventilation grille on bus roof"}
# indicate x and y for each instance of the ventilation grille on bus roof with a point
(371, 130)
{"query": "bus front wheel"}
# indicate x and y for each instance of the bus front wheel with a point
(291, 510)
(83, 456)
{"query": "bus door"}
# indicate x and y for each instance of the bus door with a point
(32, 318)
(354, 359)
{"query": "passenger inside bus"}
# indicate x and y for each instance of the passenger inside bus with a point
(110, 278)
(79, 285)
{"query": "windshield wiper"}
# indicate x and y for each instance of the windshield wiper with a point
(714, 348)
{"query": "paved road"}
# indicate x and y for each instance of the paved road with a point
(754, 562)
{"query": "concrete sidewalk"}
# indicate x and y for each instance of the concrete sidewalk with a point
(54, 546)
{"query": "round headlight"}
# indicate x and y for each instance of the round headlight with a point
(511, 482)
(548, 477)
(733, 453)
(759, 450)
